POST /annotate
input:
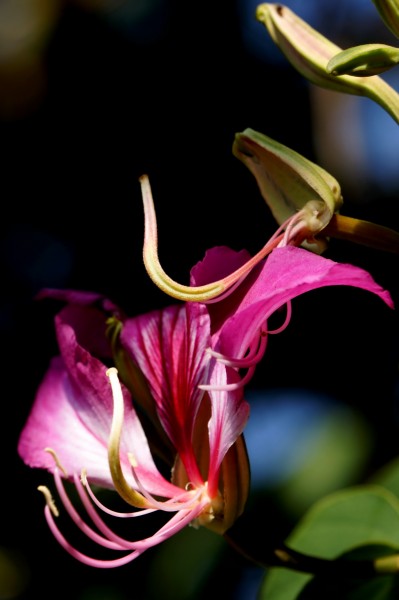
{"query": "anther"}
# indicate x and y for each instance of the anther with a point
(56, 460)
(49, 499)
(83, 477)
(132, 460)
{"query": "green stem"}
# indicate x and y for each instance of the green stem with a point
(362, 232)
(283, 556)
(385, 96)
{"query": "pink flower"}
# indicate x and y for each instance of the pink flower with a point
(182, 367)
(93, 435)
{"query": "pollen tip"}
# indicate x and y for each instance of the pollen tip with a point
(56, 460)
(111, 371)
(132, 460)
(83, 477)
(49, 499)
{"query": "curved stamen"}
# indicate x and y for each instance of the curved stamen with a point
(56, 460)
(76, 518)
(137, 513)
(306, 223)
(286, 320)
(167, 505)
(230, 387)
(113, 513)
(150, 253)
(112, 541)
(139, 500)
(123, 488)
(49, 500)
(249, 361)
(83, 558)
(107, 542)
(255, 354)
(296, 224)
(204, 293)
(123, 543)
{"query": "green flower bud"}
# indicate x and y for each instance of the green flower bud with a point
(310, 52)
(292, 184)
(389, 12)
(287, 181)
(364, 60)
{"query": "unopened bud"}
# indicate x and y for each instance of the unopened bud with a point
(389, 12)
(364, 60)
(310, 52)
(287, 180)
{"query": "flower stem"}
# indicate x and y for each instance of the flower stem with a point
(282, 555)
(362, 232)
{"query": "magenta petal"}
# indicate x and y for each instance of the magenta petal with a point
(169, 347)
(82, 298)
(54, 422)
(230, 413)
(78, 430)
(287, 273)
(88, 325)
(217, 263)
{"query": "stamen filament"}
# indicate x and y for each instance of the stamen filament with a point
(168, 505)
(286, 320)
(204, 293)
(113, 513)
(252, 358)
(121, 485)
(81, 524)
(230, 387)
(56, 460)
(151, 260)
(83, 558)
(121, 542)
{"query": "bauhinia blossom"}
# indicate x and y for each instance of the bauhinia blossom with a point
(83, 426)
(184, 368)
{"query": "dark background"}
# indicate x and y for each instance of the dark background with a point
(163, 94)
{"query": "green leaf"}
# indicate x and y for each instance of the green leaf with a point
(337, 524)
(388, 477)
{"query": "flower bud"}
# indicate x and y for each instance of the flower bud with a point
(389, 12)
(287, 181)
(364, 60)
(310, 52)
